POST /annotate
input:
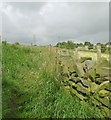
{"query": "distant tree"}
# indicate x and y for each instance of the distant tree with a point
(87, 43)
(4, 42)
(16, 43)
(81, 44)
(58, 44)
(63, 44)
(108, 47)
(70, 44)
(103, 48)
(90, 45)
(98, 44)
(109, 43)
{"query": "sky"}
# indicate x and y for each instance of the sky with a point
(45, 23)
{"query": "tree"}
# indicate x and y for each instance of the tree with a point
(103, 48)
(70, 44)
(4, 42)
(90, 45)
(87, 43)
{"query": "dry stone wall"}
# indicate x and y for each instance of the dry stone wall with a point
(88, 80)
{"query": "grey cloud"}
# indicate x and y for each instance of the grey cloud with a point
(26, 7)
(53, 22)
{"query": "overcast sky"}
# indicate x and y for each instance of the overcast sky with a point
(47, 23)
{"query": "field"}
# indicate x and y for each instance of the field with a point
(92, 54)
(32, 85)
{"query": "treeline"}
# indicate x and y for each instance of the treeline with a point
(105, 47)
(84, 46)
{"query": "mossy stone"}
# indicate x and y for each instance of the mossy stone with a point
(93, 87)
(81, 97)
(79, 69)
(82, 89)
(103, 93)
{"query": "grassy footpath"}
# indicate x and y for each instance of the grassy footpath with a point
(31, 86)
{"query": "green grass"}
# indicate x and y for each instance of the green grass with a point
(0, 80)
(31, 86)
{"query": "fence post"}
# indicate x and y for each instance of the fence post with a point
(67, 53)
(98, 53)
(76, 55)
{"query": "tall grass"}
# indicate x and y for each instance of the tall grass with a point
(0, 80)
(32, 86)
